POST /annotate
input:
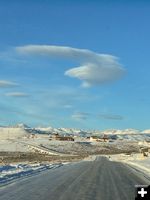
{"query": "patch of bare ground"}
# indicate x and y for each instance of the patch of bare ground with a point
(79, 148)
(18, 157)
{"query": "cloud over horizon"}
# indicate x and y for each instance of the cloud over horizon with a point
(84, 116)
(80, 115)
(5, 83)
(17, 94)
(94, 69)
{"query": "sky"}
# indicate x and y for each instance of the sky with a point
(78, 64)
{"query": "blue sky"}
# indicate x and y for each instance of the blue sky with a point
(82, 64)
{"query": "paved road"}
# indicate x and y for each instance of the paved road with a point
(90, 180)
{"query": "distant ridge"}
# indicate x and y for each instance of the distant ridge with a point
(20, 126)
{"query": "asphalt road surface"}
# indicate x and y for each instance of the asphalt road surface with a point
(89, 180)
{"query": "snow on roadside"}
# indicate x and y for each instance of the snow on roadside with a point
(143, 165)
(135, 160)
(8, 173)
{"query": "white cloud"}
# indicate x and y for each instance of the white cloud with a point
(17, 94)
(5, 83)
(94, 69)
(80, 116)
(96, 74)
(84, 116)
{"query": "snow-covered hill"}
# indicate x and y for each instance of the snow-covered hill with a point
(146, 131)
(11, 133)
(21, 130)
(118, 132)
(20, 126)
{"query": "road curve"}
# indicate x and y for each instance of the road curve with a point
(89, 180)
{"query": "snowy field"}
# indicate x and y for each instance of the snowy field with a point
(68, 147)
(21, 138)
(9, 173)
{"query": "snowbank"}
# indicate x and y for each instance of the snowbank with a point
(8, 173)
(135, 160)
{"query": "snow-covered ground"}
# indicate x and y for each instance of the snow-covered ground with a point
(79, 146)
(11, 133)
(13, 146)
(9, 173)
(135, 160)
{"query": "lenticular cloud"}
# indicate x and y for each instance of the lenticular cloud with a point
(94, 68)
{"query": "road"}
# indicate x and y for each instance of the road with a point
(100, 179)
